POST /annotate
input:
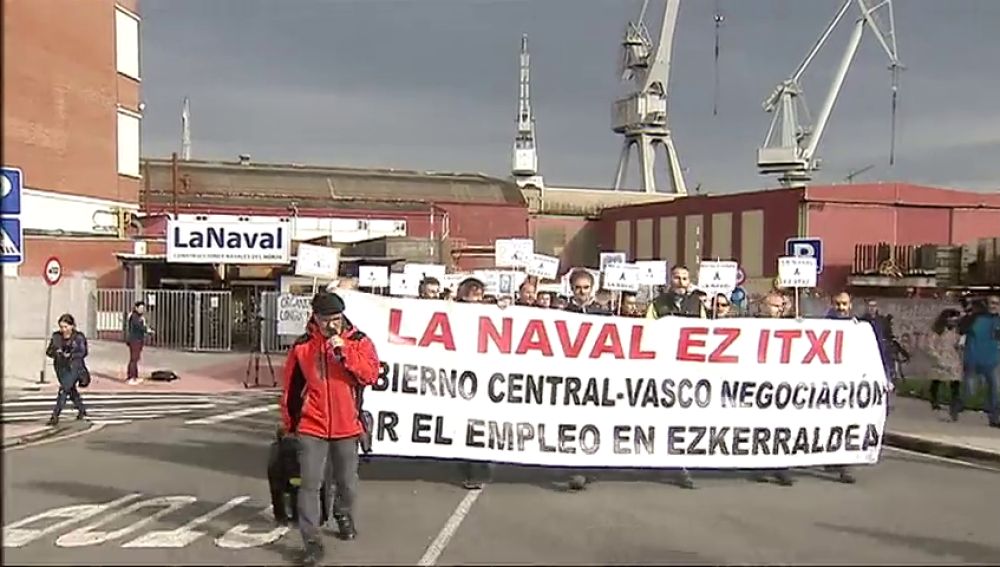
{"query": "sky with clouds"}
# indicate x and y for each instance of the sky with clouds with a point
(431, 85)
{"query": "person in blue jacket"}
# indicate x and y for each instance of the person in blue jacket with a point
(981, 357)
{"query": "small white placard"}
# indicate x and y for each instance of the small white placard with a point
(373, 276)
(621, 277)
(400, 285)
(317, 261)
(652, 272)
(543, 266)
(513, 252)
(715, 277)
(797, 271)
(611, 258)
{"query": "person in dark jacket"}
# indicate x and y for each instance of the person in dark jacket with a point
(584, 301)
(325, 369)
(774, 307)
(679, 300)
(841, 309)
(68, 351)
(135, 337)
(981, 357)
(475, 474)
(882, 324)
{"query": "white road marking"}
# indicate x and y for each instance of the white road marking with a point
(213, 419)
(94, 428)
(949, 460)
(153, 410)
(186, 534)
(114, 400)
(437, 546)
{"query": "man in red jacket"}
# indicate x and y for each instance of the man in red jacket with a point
(326, 369)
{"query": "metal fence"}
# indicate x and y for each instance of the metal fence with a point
(180, 319)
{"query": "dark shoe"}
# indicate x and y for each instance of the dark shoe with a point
(52, 422)
(995, 424)
(846, 477)
(80, 416)
(935, 406)
(685, 480)
(759, 477)
(345, 524)
(473, 484)
(281, 522)
(312, 554)
(784, 479)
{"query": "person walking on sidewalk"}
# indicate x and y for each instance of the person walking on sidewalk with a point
(68, 351)
(945, 356)
(981, 357)
(327, 367)
(135, 337)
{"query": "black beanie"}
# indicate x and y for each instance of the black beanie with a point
(326, 303)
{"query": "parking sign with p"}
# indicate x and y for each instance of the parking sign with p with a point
(806, 247)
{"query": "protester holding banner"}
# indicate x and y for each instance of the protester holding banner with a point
(583, 301)
(325, 369)
(630, 305)
(527, 294)
(774, 308)
(429, 288)
(476, 474)
(679, 299)
(721, 306)
(842, 309)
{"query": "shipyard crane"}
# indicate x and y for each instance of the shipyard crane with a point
(642, 116)
(790, 146)
(524, 161)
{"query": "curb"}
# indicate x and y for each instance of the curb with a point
(47, 433)
(939, 448)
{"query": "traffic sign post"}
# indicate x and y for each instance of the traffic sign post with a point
(11, 231)
(52, 274)
(806, 246)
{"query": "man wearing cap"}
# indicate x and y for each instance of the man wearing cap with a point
(325, 371)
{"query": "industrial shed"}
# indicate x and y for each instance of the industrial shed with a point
(752, 227)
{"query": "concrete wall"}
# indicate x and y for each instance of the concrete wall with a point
(24, 302)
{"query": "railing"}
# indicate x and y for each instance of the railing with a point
(895, 260)
(180, 319)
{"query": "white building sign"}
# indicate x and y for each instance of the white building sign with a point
(229, 242)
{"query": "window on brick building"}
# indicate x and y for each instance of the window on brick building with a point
(127, 43)
(128, 143)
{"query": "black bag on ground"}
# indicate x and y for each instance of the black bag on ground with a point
(163, 376)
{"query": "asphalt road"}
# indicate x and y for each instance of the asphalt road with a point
(908, 509)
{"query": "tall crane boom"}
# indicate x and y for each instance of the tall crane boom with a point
(790, 146)
(642, 115)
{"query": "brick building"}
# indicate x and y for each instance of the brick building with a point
(71, 123)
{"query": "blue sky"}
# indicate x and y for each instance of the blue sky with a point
(431, 85)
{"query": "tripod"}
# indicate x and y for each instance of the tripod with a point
(253, 361)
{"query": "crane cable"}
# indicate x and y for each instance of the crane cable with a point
(895, 93)
(718, 26)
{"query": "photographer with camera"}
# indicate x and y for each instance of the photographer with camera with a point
(325, 370)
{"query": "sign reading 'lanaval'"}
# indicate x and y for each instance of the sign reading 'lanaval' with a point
(232, 242)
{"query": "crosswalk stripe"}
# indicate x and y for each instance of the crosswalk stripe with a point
(213, 419)
(113, 402)
(24, 400)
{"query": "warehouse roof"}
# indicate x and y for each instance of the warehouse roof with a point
(257, 184)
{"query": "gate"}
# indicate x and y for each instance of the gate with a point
(180, 319)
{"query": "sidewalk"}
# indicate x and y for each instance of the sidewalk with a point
(914, 425)
(108, 362)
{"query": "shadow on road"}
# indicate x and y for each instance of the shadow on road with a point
(968, 551)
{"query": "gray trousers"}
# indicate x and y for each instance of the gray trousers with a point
(318, 460)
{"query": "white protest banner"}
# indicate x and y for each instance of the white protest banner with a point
(317, 261)
(401, 285)
(293, 313)
(715, 277)
(546, 387)
(797, 271)
(621, 277)
(420, 271)
(373, 276)
(513, 252)
(611, 258)
(543, 266)
(652, 272)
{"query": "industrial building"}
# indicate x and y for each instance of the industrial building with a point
(71, 124)
(753, 227)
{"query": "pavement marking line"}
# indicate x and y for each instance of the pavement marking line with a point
(213, 419)
(94, 428)
(949, 460)
(436, 548)
(113, 400)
